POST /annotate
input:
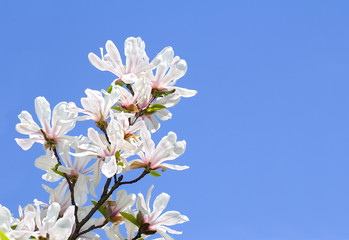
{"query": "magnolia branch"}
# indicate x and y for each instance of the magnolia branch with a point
(71, 187)
(104, 197)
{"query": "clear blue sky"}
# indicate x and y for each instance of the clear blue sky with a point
(267, 135)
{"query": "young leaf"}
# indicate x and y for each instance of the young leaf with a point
(130, 217)
(110, 88)
(3, 236)
(154, 173)
(117, 108)
(57, 172)
(155, 107)
(101, 209)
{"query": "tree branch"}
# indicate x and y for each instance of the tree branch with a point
(104, 197)
(71, 187)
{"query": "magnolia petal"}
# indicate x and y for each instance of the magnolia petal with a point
(96, 62)
(109, 167)
(174, 167)
(160, 204)
(183, 92)
(171, 218)
(43, 112)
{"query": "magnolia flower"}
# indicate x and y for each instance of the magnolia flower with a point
(53, 226)
(76, 171)
(26, 226)
(113, 232)
(96, 107)
(137, 60)
(167, 149)
(62, 122)
(122, 202)
(140, 99)
(106, 152)
(156, 222)
(59, 195)
(129, 130)
(6, 221)
(168, 70)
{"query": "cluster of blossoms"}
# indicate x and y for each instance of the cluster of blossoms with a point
(125, 116)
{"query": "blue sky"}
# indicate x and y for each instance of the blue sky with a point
(267, 135)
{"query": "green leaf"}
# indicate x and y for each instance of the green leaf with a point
(158, 93)
(101, 209)
(57, 172)
(3, 236)
(117, 108)
(155, 107)
(13, 227)
(130, 217)
(110, 88)
(120, 164)
(154, 173)
(117, 154)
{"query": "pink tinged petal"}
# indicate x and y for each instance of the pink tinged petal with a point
(183, 92)
(159, 205)
(43, 112)
(109, 166)
(171, 218)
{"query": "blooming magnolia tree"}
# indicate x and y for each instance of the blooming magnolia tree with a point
(125, 116)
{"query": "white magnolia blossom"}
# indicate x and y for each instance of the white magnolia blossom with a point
(156, 221)
(167, 149)
(96, 107)
(113, 232)
(59, 195)
(168, 70)
(62, 122)
(137, 60)
(105, 151)
(140, 98)
(53, 226)
(6, 221)
(123, 201)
